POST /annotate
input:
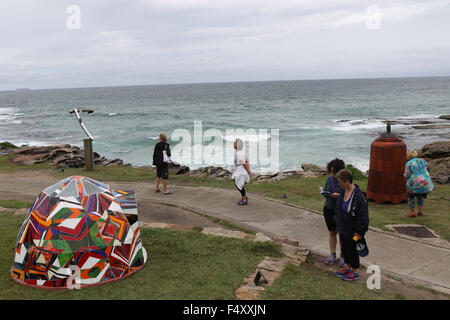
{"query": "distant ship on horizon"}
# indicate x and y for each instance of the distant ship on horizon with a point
(23, 89)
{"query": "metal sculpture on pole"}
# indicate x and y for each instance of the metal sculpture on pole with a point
(88, 150)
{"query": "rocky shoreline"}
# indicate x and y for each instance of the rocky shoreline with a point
(437, 154)
(59, 156)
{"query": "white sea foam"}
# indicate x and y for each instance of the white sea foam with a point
(312, 128)
(9, 115)
(417, 117)
(30, 143)
(6, 119)
(359, 124)
(370, 124)
(248, 138)
(7, 111)
(362, 165)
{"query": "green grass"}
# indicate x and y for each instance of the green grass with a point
(307, 282)
(356, 173)
(114, 173)
(188, 265)
(228, 225)
(15, 204)
(8, 145)
(181, 265)
(7, 166)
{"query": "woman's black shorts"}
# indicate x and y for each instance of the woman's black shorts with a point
(329, 218)
(418, 195)
(162, 171)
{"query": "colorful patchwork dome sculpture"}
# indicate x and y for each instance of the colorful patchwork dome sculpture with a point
(79, 232)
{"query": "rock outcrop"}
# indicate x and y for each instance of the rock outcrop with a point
(210, 172)
(6, 148)
(312, 171)
(437, 154)
(317, 170)
(58, 155)
(440, 170)
(435, 150)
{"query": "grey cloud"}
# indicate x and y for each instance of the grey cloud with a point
(172, 41)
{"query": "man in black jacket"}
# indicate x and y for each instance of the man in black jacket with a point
(352, 222)
(162, 168)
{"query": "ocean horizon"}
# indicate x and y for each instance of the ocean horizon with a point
(317, 120)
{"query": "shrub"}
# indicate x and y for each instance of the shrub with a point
(357, 174)
(8, 145)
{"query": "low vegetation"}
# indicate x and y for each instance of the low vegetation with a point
(181, 265)
(7, 145)
(188, 265)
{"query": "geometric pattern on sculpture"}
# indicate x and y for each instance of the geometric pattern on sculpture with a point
(79, 224)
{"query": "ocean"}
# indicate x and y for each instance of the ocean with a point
(317, 120)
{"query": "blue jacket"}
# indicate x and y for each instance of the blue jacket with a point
(357, 220)
(332, 185)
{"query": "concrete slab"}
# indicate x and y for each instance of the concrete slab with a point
(399, 255)
(437, 272)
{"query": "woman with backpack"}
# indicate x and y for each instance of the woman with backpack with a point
(161, 159)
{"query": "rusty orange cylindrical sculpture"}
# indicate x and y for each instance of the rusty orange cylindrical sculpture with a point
(387, 165)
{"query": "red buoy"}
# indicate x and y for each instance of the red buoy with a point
(387, 165)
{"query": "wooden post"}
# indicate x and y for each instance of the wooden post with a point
(88, 155)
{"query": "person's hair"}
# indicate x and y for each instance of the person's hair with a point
(336, 165)
(345, 175)
(239, 144)
(411, 154)
(163, 137)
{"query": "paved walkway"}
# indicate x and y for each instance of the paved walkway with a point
(424, 261)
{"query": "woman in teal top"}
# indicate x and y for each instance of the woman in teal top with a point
(419, 182)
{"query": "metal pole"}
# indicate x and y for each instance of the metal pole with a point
(88, 155)
(88, 150)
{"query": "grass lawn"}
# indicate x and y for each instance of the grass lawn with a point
(306, 282)
(15, 204)
(181, 265)
(7, 166)
(188, 265)
(315, 281)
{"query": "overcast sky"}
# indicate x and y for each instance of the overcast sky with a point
(125, 42)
